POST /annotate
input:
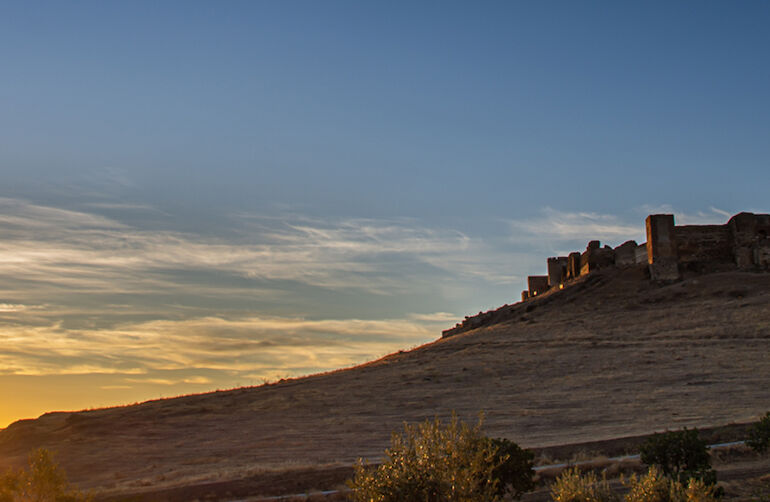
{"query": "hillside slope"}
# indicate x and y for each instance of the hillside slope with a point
(611, 355)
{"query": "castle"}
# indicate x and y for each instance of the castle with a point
(671, 250)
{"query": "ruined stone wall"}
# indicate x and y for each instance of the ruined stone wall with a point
(703, 244)
(596, 257)
(625, 254)
(670, 251)
(661, 247)
(750, 235)
(641, 253)
(536, 285)
(557, 270)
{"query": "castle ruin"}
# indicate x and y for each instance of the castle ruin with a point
(671, 250)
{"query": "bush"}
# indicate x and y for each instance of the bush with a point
(759, 435)
(43, 481)
(572, 486)
(434, 462)
(656, 487)
(680, 455)
(514, 468)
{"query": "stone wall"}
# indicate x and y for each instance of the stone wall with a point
(557, 270)
(641, 253)
(661, 247)
(596, 257)
(573, 265)
(625, 254)
(703, 244)
(670, 250)
(750, 243)
(537, 284)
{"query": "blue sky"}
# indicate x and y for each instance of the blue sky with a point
(203, 194)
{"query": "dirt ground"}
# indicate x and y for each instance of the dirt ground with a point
(609, 356)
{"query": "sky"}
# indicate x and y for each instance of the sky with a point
(203, 195)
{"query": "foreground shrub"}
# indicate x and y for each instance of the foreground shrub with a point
(432, 462)
(656, 487)
(513, 468)
(42, 481)
(572, 486)
(680, 455)
(759, 435)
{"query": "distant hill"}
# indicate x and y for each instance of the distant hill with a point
(612, 354)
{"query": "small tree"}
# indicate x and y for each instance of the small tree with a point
(43, 481)
(680, 455)
(432, 462)
(759, 435)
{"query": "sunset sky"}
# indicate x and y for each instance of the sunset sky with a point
(203, 195)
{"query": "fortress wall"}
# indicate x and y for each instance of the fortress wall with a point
(557, 271)
(537, 284)
(661, 247)
(596, 257)
(703, 244)
(670, 250)
(750, 236)
(641, 253)
(573, 265)
(625, 254)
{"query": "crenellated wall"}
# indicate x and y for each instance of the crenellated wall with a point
(670, 250)
(743, 242)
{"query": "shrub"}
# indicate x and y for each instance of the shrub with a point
(680, 455)
(513, 468)
(431, 462)
(652, 487)
(759, 435)
(656, 487)
(572, 486)
(43, 481)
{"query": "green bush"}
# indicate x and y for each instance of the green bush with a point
(514, 468)
(432, 462)
(680, 455)
(759, 435)
(42, 481)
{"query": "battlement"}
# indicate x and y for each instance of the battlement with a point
(670, 251)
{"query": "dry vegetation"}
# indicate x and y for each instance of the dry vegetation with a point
(609, 356)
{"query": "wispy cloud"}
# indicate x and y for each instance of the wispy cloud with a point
(13, 307)
(253, 345)
(90, 252)
(434, 317)
(712, 216)
(562, 231)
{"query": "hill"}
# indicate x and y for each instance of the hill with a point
(610, 355)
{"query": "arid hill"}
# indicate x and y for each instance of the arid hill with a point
(610, 355)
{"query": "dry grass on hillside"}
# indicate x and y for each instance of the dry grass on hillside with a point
(610, 356)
